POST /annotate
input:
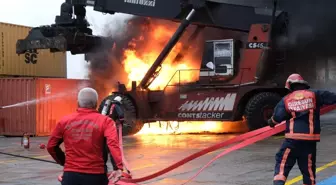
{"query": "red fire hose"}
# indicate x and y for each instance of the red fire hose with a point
(129, 175)
(250, 138)
(247, 139)
(201, 153)
(279, 128)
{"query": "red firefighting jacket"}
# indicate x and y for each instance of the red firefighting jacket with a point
(301, 111)
(84, 134)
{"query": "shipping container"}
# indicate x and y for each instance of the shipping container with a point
(39, 103)
(35, 63)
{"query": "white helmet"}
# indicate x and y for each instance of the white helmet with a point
(118, 99)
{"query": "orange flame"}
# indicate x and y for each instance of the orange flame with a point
(192, 127)
(137, 63)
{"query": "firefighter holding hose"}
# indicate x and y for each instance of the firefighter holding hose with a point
(301, 111)
(116, 113)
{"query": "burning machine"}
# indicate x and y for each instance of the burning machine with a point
(238, 77)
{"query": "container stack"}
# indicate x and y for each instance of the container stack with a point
(34, 85)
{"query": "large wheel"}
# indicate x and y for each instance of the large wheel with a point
(260, 108)
(131, 125)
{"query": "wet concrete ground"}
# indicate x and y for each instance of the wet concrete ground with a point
(147, 154)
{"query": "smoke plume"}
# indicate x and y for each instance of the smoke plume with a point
(312, 30)
(311, 40)
(105, 68)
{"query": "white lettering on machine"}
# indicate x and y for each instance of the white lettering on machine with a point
(150, 3)
(210, 104)
(201, 115)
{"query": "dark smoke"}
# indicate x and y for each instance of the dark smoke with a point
(105, 62)
(311, 40)
(312, 30)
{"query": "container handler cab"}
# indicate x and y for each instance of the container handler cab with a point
(239, 78)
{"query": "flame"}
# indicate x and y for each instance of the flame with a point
(139, 57)
(137, 61)
(192, 127)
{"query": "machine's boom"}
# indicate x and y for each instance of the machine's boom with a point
(72, 33)
(71, 30)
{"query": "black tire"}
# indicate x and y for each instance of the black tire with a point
(260, 108)
(131, 125)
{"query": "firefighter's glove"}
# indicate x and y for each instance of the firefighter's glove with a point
(271, 123)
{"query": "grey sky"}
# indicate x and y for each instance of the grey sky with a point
(42, 12)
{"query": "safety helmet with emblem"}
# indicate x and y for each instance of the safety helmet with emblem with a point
(295, 79)
(118, 99)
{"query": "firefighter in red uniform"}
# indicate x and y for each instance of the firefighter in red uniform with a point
(85, 135)
(301, 111)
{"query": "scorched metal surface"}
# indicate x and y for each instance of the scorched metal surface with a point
(54, 98)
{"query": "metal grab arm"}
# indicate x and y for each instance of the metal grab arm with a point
(69, 33)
